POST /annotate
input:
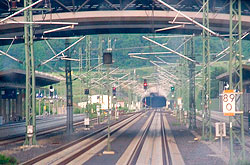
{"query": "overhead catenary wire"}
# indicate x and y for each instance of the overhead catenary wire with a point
(20, 11)
(188, 18)
(170, 74)
(171, 50)
(61, 52)
(13, 58)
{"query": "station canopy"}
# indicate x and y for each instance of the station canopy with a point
(15, 78)
(245, 75)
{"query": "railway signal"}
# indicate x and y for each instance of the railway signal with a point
(107, 58)
(172, 89)
(51, 91)
(145, 84)
(114, 91)
(86, 91)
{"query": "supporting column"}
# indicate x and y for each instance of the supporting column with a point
(80, 74)
(192, 111)
(23, 104)
(1, 104)
(235, 83)
(130, 95)
(88, 78)
(4, 110)
(134, 86)
(100, 48)
(19, 105)
(206, 112)
(185, 78)
(7, 110)
(178, 89)
(30, 78)
(69, 95)
(14, 111)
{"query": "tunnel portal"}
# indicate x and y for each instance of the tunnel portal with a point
(154, 100)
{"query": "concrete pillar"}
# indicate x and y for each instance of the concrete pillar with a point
(23, 103)
(19, 105)
(39, 106)
(1, 105)
(57, 106)
(4, 110)
(7, 110)
(14, 110)
(11, 110)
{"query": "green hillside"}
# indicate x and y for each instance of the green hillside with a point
(122, 45)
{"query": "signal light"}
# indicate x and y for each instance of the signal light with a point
(145, 84)
(172, 89)
(107, 58)
(51, 91)
(114, 91)
(86, 91)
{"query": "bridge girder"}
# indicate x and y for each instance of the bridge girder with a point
(100, 22)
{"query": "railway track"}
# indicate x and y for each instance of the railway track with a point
(21, 138)
(151, 147)
(44, 132)
(72, 151)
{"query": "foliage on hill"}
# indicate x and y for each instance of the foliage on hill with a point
(122, 44)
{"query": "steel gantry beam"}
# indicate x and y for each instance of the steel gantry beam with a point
(30, 101)
(235, 82)
(206, 112)
(69, 94)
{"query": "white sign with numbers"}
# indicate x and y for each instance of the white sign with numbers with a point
(220, 129)
(228, 102)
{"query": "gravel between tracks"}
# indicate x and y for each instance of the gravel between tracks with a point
(46, 143)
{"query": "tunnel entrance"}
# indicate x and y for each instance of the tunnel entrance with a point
(154, 100)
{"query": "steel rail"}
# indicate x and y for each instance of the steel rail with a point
(135, 153)
(165, 149)
(45, 155)
(21, 138)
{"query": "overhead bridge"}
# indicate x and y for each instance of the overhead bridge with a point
(92, 19)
